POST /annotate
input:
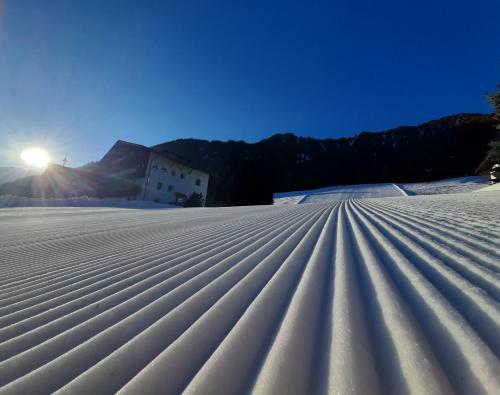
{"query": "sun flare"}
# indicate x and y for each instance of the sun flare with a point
(35, 157)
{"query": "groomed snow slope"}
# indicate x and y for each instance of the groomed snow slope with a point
(450, 185)
(337, 194)
(361, 191)
(393, 295)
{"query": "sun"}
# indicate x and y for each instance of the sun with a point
(35, 157)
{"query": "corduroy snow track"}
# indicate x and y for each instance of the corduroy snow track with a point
(356, 296)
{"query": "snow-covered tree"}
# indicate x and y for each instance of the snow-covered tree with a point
(494, 152)
(494, 99)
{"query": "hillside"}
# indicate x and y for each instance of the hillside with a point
(66, 182)
(249, 173)
(56, 181)
(244, 173)
(11, 173)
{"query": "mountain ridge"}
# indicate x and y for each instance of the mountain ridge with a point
(248, 173)
(12, 173)
(245, 173)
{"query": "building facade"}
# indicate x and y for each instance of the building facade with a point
(169, 181)
(153, 176)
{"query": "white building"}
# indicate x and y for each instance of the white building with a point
(150, 175)
(169, 181)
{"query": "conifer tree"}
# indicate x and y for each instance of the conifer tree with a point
(494, 152)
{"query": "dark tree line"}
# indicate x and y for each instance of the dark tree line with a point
(246, 174)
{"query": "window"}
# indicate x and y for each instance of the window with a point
(172, 172)
(164, 168)
(198, 181)
(155, 165)
(159, 185)
(170, 188)
(182, 175)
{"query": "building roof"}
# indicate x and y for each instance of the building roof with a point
(166, 154)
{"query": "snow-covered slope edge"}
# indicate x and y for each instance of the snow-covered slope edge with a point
(338, 193)
(450, 185)
(490, 188)
(342, 192)
(390, 295)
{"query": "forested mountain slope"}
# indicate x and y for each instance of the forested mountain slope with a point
(244, 173)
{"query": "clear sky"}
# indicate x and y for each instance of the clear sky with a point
(75, 76)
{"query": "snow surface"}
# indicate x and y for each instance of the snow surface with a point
(337, 194)
(386, 295)
(450, 185)
(489, 188)
(17, 201)
(362, 191)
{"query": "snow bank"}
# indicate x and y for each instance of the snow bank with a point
(393, 295)
(17, 201)
(287, 200)
(489, 188)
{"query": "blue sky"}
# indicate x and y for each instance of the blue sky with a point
(75, 76)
